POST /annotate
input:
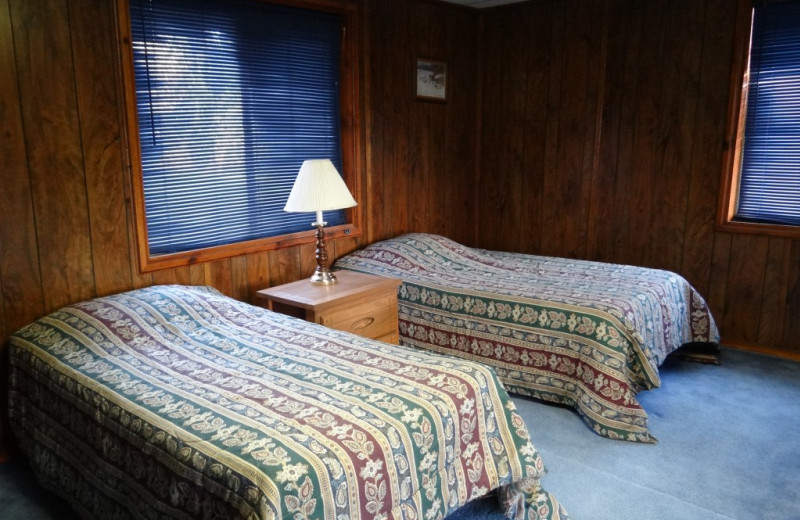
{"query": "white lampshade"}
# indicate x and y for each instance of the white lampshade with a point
(318, 187)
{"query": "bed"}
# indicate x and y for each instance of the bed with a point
(588, 335)
(179, 402)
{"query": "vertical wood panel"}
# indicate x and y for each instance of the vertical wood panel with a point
(399, 194)
(22, 294)
(308, 258)
(239, 279)
(177, 275)
(601, 234)
(589, 128)
(489, 189)
(773, 302)
(434, 197)
(745, 287)
(577, 123)
(660, 70)
(551, 212)
(197, 275)
(419, 132)
(791, 333)
(680, 65)
(707, 148)
(460, 150)
(631, 52)
(649, 89)
(55, 157)
(344, 246)
(376, 117)
(219, 275)
(512, 96)
(257, 274)
(720, 265)
(284, 266)
(535, 120)
(95, 64)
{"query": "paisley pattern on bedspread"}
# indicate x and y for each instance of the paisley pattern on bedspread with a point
(585, 334)
(178, 402)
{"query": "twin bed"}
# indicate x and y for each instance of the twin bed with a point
(179, 402)
(588, 335)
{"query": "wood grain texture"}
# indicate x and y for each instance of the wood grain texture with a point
(791, 331)
(745, 287)
(629, 51)
(461, 136)
(718, 282)
(22, 291)
(512, 98)
(491, 196)
(551, 212)
(67, 232)
(698, 240)
(774, 318)
(538, 55)
(624, 148)
(600, 242)
(54, 150)
(419, 134)
(93, 49)
(586, 128)
(680, 66)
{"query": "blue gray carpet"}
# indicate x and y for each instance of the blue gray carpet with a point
(729, 448)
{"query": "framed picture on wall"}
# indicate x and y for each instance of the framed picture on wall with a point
(431, 80)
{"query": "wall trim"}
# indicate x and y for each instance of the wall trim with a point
(788, 355)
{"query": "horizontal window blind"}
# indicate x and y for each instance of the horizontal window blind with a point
(769, 189)
(232, 97)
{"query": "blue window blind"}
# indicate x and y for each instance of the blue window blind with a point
(769, 186)
(232, 97)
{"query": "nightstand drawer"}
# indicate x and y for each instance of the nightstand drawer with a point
(363, 304)
(371, 319)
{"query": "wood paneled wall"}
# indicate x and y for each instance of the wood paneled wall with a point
(422, 155)
(580, 128)
(65, 224)
(65, 228)
(603, 138)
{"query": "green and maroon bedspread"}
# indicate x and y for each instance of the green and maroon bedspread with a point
(179, 402)
(586, 334)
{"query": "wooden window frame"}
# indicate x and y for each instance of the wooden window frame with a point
(734, 134)
(351, 144)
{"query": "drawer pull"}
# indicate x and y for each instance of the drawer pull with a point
(362, 323)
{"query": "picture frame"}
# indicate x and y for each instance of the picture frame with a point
(431, 80)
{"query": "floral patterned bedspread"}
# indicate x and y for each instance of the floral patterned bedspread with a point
(178, 402)
(585, 334)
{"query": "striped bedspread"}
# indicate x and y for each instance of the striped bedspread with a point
(179, 402)
(585, 334)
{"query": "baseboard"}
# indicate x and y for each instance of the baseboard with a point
(790, 355)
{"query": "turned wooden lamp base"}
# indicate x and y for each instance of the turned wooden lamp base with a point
(322, 274)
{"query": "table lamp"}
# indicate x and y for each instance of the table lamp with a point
(318, 188)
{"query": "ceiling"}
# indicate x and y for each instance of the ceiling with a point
(483, 3)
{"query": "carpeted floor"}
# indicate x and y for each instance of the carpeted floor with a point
(729, 449)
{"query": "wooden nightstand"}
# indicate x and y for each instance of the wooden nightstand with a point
(359, 303)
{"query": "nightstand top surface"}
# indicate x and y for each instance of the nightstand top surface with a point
(303, 293)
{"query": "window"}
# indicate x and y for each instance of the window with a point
(227, 99)
(763, 193)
